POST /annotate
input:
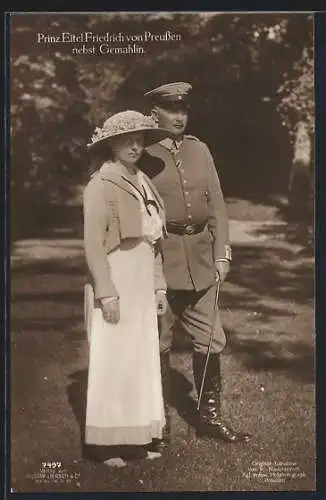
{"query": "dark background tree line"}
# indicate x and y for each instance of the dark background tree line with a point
(253, 102)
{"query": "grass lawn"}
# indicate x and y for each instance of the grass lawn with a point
(246, 210)
(268, 366)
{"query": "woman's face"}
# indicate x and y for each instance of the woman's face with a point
(128, 148)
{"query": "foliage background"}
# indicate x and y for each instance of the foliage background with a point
(253, 82)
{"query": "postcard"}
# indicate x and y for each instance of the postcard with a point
(162, 267)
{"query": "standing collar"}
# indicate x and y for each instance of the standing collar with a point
(171, 143)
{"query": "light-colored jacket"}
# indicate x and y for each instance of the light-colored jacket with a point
(112, 212)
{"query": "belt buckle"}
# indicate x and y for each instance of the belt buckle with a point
(189, 229)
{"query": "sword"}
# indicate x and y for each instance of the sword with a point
(210, 341)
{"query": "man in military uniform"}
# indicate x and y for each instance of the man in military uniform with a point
(196, 253)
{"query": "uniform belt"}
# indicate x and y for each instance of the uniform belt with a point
(182, 229)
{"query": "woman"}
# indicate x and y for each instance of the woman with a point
(123, 223)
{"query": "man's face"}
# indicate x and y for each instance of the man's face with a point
(173, 117)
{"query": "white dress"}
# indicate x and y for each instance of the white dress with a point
(124, 394)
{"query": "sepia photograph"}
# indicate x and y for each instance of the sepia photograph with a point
(162, 320)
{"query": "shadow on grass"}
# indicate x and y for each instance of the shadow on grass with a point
(69, 266)
(298, 217)
(269, 273)
(299, 233)
(41, 325)
(47, 296)
(270, 280)
(49, 221)
(60, 296)
(77, 392)
(295, 359)
(262, 282)
(181, 398)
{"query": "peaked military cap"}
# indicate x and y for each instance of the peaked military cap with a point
(176, 92)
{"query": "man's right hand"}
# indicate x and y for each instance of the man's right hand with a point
(111, 310)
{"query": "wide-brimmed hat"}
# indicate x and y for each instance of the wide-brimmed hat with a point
(127, 122)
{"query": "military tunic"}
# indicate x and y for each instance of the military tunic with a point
(185, 176)
(189, 185)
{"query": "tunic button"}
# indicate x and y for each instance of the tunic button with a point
(190, 216)
(187, 193)
(188, 205)
(184, 181)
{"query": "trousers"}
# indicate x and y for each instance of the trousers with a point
(194, 312)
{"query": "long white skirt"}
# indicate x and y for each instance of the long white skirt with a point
(124, 394)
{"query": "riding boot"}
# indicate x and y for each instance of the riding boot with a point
(210, 422)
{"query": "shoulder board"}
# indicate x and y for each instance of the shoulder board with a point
(192, 137)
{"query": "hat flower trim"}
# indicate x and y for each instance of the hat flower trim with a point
(99, 133)
(127, 122)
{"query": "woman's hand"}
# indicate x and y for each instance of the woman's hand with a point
(111, 309)
(161, 302)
